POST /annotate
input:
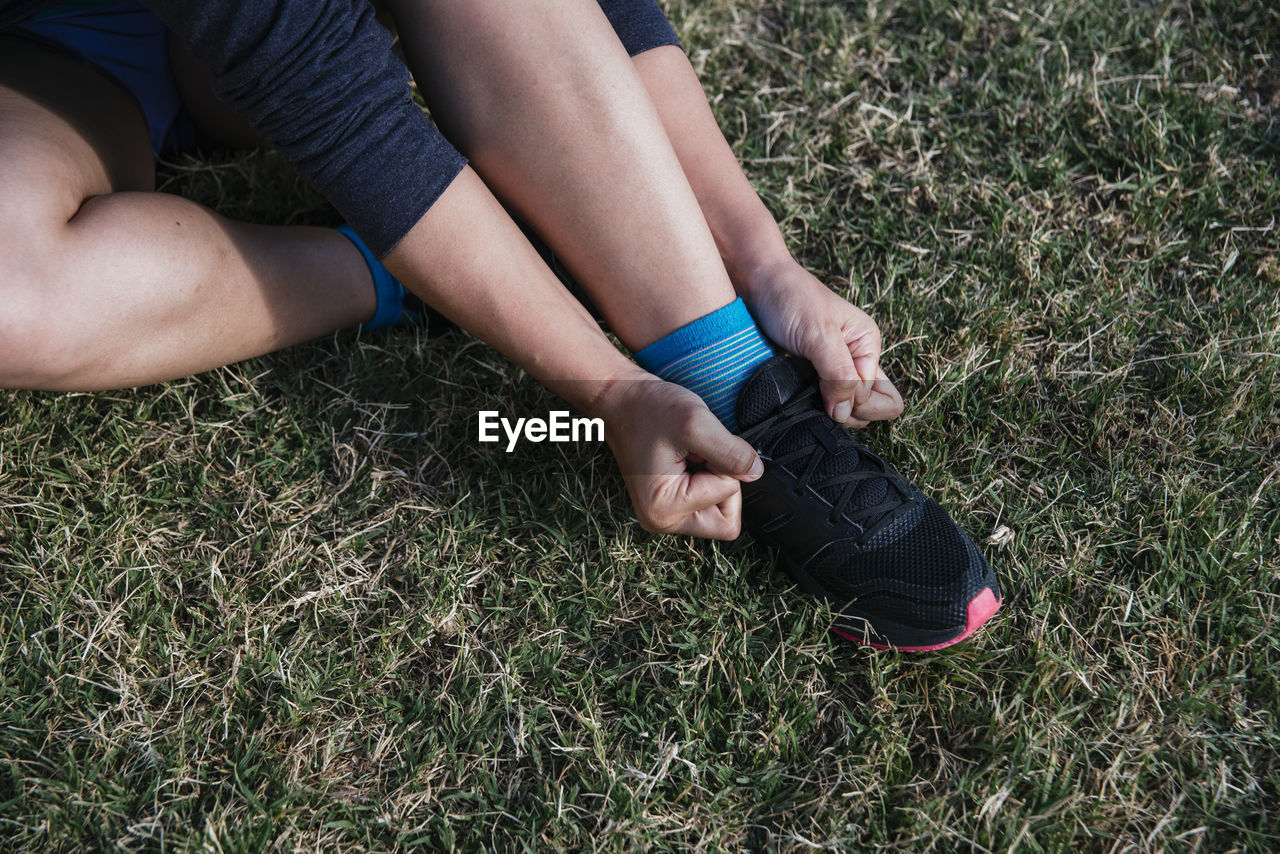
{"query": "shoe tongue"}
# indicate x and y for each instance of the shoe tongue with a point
(773, 384)
(769, 386)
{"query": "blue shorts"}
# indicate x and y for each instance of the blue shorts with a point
(130, 44)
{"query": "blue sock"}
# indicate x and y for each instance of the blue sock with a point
(712, 357)
(390, 310)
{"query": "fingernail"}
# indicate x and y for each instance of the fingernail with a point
(842, 411)
(757, 469)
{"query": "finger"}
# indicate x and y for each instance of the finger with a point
(884, 403)
(885, 386)
(830, 356)
(864, 345)
(687, 504)
(664, 502)
(722, 451)
(722, 521)
(705, 489)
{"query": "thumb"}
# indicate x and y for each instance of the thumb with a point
(722, 451)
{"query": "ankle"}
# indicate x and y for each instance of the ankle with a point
(389, 294)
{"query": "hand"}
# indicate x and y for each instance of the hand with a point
(680, 464)
(841, 340)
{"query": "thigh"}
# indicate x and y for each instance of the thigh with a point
(67, 132)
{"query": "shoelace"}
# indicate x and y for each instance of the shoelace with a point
(802, 409)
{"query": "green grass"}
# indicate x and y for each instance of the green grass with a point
(292, 604)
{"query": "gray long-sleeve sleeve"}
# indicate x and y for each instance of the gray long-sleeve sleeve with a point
(318, 81)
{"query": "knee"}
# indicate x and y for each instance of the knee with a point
(31, 352)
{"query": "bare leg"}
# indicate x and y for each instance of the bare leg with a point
(105, 283)
(745, 231)
(547, 105)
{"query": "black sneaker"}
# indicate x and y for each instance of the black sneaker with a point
(896, 569)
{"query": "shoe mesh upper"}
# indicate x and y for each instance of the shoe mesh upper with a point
(916, 570)
(930, 569)
(761, 397)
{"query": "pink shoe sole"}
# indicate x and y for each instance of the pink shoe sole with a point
(981, 608)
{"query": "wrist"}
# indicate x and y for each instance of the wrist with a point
(762, 277)
(753, 255)
(605, 398)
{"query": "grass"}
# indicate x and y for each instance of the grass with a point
(292, 604)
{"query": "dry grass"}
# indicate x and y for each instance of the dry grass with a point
(293, 605)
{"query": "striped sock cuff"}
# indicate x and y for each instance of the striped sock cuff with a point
(712, 357)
